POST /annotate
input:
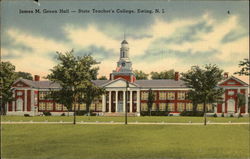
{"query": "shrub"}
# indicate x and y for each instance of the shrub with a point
(191, 113)
(155, 113)
(222, 115)
(84, 112)
(47, 113)
(26, 115)
(63, 114)
(215, 115)
(231, 115)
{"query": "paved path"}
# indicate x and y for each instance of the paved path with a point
(121, 123)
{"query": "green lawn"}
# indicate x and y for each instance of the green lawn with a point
(124, 141)
(170, 119)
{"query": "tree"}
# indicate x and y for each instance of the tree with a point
(91, 92)
(7, 78)
(241, 101)
(150, 102)
(103, 78)
(203, 83)
(74, 74)
(24, 75)
(245, 68)
(168, 74)
(140, 75)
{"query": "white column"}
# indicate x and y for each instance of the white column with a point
(25, 100)
(246, 104)
(104, 102)
(110, 101)
(116, 101)
(130, 101)
(32, 101)
(13, 102)
(138, 102)
(223, 104)
(124, 101)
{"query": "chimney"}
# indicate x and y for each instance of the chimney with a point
(37, 78)
(176, 76)
(226, 75)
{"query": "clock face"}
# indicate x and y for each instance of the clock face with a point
(123, 64)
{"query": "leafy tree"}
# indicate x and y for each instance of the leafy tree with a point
(150, 102)
(168, 74)
(7, 78)
(241, 101)
(74, 74)
(90, 94)
(245, 68)
(103, 78)
(140, 75)
(24, 75)
(203, 82)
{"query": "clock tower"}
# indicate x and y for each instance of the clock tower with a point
(124, 65)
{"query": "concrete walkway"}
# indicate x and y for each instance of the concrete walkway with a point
(122, 123)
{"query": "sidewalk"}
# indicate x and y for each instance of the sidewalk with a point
(121, 123)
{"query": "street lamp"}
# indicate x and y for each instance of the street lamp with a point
(126, 107)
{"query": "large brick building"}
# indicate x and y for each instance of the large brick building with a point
(169, 94)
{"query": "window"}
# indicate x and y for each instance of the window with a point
(154, 107)
(41, 106)
(180, 107)
(82, 106)
(144, 95)
(144, 107)
(162, 95)
(189, 107)
(58, 106)
(65, 108)
(99, 107)
(170, 95)
(181, 95)
(171, 107)
(92, 107)
(209, 107)
(162, 106)
(200, 107)
(49, 106)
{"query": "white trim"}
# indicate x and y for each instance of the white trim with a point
(165, 89)
(246, 104)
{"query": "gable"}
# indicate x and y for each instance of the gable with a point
(20, 84)
(232, 82)
(118, 83)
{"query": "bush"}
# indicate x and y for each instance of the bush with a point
(84, 112)
(47, 113)
(26, 115)
(63, 114)
(231, 115)
(215, 115)
(191, 113)
(154, 113)
(222, 115)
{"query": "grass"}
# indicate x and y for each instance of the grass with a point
(170, 119)
(124, 141)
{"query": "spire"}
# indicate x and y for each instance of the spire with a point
(124, 39)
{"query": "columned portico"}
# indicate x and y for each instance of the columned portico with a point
(109, 101)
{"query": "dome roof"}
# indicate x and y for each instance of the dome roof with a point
(124, 42)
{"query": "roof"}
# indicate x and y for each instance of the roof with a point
(161, 83)
(40, 84)
(100, 82)
(234, 78)
(124, 42)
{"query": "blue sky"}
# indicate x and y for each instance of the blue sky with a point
(188, 33)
